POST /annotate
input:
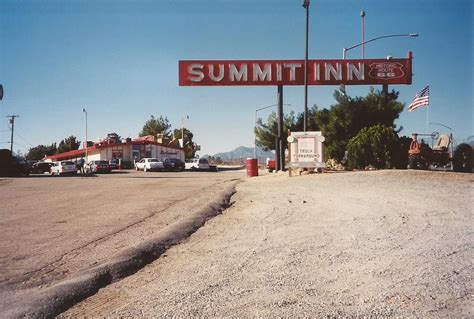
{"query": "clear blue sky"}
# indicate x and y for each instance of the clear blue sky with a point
(119, 60)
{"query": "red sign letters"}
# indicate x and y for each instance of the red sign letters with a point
(291, 72)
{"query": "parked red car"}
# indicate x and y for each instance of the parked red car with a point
(271, 165)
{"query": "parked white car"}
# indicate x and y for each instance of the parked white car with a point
(63, 167)
(197, 164)
(149, 164)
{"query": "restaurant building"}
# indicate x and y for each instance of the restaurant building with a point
(124, 153)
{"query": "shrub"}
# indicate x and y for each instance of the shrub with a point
(404, 146)
(376, 146)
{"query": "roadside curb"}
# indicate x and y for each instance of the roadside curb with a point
(51, 301)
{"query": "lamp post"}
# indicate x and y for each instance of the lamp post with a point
(344, 50)
(255, 127)
(441, 125)
(85, 112)
(362, 15)
(182, 129)
(306, 6)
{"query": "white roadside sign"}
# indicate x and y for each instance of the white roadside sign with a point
(306, 149)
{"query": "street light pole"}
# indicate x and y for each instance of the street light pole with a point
(182, 129)
(85, 111)
(362, 15)
(344, 50)
(255, 127)
(305, 118)
(440, 125)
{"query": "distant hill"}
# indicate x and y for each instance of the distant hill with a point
(243, 152)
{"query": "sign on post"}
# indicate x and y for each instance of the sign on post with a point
(291, 72)
(306, 149)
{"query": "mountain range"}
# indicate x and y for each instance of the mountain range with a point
(243, 152)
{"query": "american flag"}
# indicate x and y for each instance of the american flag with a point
(422, 98)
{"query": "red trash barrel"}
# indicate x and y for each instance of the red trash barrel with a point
(252, 167)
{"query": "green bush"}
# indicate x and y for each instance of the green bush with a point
(404, 146)
(376, 146)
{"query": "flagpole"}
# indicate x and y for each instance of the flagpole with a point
(427, 117)
(427, 113)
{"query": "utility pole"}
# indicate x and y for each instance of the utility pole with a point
(12, 122)
(305, 115)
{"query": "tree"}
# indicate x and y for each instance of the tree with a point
(311, 124)
(339, 123)
(404, 146)
(40, 151)
(68, 144)
(266, 133)
(345, 119)
(156, 126)
(188, 145)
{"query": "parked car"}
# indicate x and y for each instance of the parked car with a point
(98, 166)
(63, 167)
(174, 164)
(113, 164)
(149, 164)
(197, 164)
(41, 167)
(271, 165)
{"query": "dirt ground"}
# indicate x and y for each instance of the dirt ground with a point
(374, 244)
(52, 227)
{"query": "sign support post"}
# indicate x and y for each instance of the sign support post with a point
(281, 154)
(277, 154)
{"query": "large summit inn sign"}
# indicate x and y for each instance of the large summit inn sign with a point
(291, 72)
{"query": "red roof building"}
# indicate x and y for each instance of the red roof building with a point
(128, 152)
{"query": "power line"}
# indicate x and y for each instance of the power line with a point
(19, 144)
(18, 135)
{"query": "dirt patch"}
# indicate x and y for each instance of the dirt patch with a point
(383, 243)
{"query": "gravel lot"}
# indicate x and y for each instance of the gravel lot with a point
(52, 227)
(383, 243)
